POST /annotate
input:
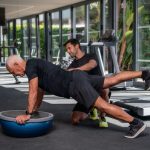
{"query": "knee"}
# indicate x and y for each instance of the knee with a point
(75, 121)
(105, 94)
(77, 117)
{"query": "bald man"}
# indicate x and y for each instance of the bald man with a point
(45, 76)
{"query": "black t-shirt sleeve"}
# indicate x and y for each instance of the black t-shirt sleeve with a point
(93, 56)
(31, 69)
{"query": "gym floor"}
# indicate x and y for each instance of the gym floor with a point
(64, 136)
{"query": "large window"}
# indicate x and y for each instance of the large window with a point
(33, 40)
(66, 27)
(26, 39)
(79, 30)
(11, 31)
(42, 52)
(3, 44)
(108, 11)
(125, 34)
(94, 21)
(55, 38)
(143, 34)
(18, 37)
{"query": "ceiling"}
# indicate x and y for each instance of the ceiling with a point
(21, 8)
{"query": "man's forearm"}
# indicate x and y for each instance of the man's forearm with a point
(31, 102)
(88, 66)
(39, 99)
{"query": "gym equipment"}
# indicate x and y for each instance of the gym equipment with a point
(39, 124)
(112, 51)
(139, 106)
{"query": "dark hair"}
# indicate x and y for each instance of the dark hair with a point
(73, 42)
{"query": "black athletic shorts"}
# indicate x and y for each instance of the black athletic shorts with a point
(84, 88)
(82, 108)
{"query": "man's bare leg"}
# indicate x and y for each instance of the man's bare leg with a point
(112, 110)
(121, 77)
(136, 126)
(78, 116)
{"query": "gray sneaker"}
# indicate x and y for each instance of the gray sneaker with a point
(135, 130)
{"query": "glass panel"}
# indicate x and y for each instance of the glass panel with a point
(42, 37)
(107, 27)
(11, 39)
(25, 39)
(1, 36)
(1, 44)
(66, 29)
(33, 38)
(55, 38)
(94, 21)
(143, 34)
(4, 44)
(125, 34)
(108, 14)
(80, 23)
(18, 37)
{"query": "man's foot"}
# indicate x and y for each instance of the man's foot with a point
(103, 123)
(94, 114)
(135, 130)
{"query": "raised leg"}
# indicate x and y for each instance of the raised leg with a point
(121, 77)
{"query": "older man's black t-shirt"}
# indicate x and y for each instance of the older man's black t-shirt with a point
(51, 78)
(84, 60)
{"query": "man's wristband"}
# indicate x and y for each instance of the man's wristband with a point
(27, 113)
(33, 114)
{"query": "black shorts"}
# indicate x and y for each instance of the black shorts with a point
(82, 108)
(85, 89)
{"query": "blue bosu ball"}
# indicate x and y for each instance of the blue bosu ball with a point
(36, 126)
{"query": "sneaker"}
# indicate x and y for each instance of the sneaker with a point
(94, 114)
(135, 130)
(103, 123)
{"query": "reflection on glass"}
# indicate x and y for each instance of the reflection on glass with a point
(66, 28)
(42, 53)
(108, 14)
(11, 40)
(18, 36)
(25, 39)
(80, 23)
(33, 38)
(143, 34)
(94, 21)
(55, 38)
(125, 34)
(4, 42)
(1, 36)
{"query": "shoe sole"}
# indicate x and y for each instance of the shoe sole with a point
(103, 125)
(138, 132)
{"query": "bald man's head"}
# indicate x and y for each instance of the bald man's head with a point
(12, 60)
(15, 64)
